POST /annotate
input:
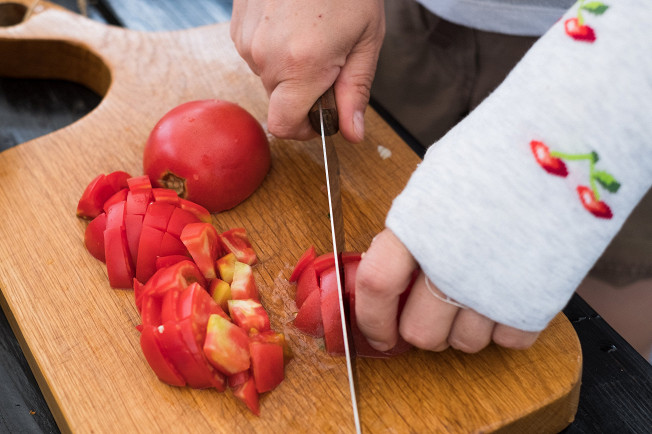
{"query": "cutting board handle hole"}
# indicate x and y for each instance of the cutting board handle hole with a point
(12, 14)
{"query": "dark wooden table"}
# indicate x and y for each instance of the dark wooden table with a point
(616, 394)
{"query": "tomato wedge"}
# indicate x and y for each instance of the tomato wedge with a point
(94, 237)
(236, 241)
(162, 367)
(306, 259)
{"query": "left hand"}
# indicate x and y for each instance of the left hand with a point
(426, 322)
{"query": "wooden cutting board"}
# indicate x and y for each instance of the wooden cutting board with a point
(80, 335)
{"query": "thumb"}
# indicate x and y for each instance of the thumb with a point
(352, 92)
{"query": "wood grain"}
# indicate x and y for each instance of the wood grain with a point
(79, 335)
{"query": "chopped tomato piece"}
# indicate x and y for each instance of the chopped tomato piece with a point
(236, 241)
(179, 219)
(165, 195)
(197, 210)
(202, 241)
(307, 258)
(133, 228)
(138, 201)
(193, 335)
(158, 215)
(94, 237)
(162, 367)
(118, 262)
(244, 284)
(118, 180)
(137, 183)
(166, 261)
(115, 216)
(226, 266)
(92, 200)
(119, 196)
(220, 291)
(267, 365)
(308, 319)
(306, 285)
(330, 313)
(246, 392)
(148, 248)
(249, 314)
(175, 350)
(226, 346)
(171, 245)
(197, 304)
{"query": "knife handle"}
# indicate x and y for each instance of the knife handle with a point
(329, 109)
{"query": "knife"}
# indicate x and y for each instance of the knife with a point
(324, 120)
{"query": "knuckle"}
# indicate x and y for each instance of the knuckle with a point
(421, 339)
(467, 345)
(515, 340)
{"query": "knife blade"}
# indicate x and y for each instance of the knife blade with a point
(324, 120)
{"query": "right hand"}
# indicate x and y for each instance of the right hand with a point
(299, 48)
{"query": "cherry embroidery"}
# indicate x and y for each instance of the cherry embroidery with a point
(596, 207)
(554, 163)
(575, 27)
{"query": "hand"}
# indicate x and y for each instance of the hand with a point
(426, 322)
(299, 48)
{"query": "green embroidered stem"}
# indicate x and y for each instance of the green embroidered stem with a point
(573, 157)
(592, 157)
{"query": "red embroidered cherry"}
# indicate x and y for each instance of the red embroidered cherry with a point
(579, 32)
(552, 165)
(596, 207)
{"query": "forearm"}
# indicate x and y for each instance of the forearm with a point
(485, 220)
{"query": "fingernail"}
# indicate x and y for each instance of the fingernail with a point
(378, 345)
(358, 124)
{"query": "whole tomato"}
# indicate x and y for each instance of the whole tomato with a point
(211, 152)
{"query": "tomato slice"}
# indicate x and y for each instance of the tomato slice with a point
(330, 312)
(119, 196)
(308, 319)
(244, 285)
(197, 210)
(246, 392)
(139, 183)
(189, 331)
(165, 195)
(203, 243)
(306, 285)
(267, 365)
(118, 262)
(236, 241)
(171, 245)
(249, 314)
(148, 248)
(179, 275)
(169, 260)
(94, 237)
(179, 219)
(138, 201)
(158, 215)
(169, 303)
(226, 346)
(306, 259)
(176, 351)
(133, 229)
(162, 367)
(118, 179)
(194, 302)
(92, 200)
(115, 215)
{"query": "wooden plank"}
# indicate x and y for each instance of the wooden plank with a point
(68, 319)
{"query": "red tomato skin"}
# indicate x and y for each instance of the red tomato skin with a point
(169, 260)
(119, 196)
(118, 180)
(148, 248)
(118, 262)
(308, 319)
(246, 392)
(179, 219)
(94, 237)
(162, 367)
(267, 365)
(92, 200)
(236, 241)
(307, 258)
(189, 330)
(175, 350)
(306, 285)
(330, 313)
(219, 150)
(158, 215)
